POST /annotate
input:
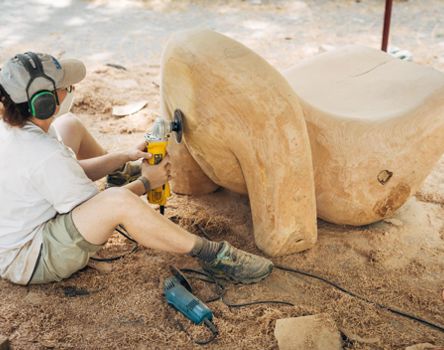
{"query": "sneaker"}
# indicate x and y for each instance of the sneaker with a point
(128, 173)
(238, 266)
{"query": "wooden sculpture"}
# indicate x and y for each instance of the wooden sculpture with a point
(375, 125)
(245, 130)
(376, 128)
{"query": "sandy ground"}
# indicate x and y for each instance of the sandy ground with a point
(397, 262)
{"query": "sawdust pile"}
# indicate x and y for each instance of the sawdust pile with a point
(126, 308)
(398, 262)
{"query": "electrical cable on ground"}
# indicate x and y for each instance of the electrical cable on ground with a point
(124, 233)
(342, 289)
(312, 275)
(214, 331)
(221, 290)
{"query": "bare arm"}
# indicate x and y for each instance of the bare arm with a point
(157, 175)
(136, 187)
(98, 167)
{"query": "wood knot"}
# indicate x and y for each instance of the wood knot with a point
(384, 176)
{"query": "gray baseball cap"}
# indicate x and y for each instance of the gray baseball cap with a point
(14, 77)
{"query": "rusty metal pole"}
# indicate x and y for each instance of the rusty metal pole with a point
(386, 30)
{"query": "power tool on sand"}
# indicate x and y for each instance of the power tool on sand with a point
(157, 141)
(179, 294)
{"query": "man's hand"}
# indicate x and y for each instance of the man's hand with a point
(157, 174)
(138, 153)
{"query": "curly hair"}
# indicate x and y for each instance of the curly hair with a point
(14, 114)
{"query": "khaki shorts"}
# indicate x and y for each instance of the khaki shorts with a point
(64, 250)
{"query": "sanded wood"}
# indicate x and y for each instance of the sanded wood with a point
(376, 128)
(245, 129)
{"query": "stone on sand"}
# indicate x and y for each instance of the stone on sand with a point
(314, 332)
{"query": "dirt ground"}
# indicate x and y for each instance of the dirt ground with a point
(398, 262)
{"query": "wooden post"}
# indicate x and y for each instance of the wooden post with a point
(386, 30)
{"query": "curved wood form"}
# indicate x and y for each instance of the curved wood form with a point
(245, 129)
(188, 177)
(376, 128)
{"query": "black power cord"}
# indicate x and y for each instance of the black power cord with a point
(125, 234)
(220, 295)
(221, 290)
(342, 289)
(209, 324)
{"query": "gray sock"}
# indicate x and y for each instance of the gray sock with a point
(205, 250)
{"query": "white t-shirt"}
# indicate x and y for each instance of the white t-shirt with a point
(39, 177)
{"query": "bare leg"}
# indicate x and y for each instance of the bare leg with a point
(75, 135)
(96, 219)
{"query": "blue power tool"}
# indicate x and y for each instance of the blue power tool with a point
(179, 294)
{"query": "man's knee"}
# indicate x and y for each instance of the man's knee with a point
(69, 121)
(119, 197)
(73, 120)
(121, 202)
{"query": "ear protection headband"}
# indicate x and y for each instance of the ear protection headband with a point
(43, 103)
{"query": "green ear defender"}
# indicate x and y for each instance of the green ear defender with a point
(43, 103)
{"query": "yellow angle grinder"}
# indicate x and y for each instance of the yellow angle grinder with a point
(157, 141)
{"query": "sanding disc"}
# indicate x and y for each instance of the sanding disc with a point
(181, 277)
(177, 124)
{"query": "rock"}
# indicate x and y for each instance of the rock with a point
(424, 346)
(315, 332)
(4, 343)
